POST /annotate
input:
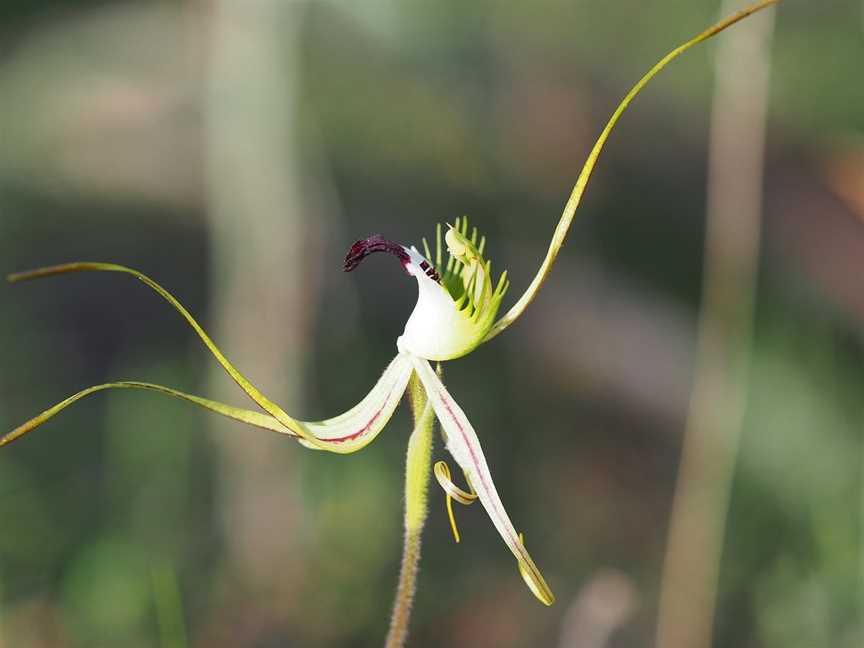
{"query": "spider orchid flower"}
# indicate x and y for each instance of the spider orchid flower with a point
(456, 308)
(456, 311)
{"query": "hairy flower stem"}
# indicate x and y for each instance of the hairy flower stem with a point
(418, 467)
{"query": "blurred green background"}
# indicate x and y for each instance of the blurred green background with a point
(234, 150)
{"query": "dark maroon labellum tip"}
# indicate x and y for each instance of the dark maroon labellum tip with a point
(375, 243)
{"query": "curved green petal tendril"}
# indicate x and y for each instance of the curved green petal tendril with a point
(249, 417)
(582, 181)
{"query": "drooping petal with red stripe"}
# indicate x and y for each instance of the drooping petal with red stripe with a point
(463, 444)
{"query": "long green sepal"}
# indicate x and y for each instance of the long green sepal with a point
(343, 434)
(582, 181)
(249, 417)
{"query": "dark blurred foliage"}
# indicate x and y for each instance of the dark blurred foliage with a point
(112, 523)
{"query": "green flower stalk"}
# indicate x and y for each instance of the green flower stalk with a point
(456, 311)
(417, 463)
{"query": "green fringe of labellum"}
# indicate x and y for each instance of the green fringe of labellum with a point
(467, 276)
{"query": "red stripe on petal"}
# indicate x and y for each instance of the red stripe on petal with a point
(502, 515)
(355, 435)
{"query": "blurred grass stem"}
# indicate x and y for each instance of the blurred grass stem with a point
(718, 400)
(261, 264)
(168, 601)
(2, 592)
(418, 466)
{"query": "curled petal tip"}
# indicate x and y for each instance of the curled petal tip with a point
(442, 474)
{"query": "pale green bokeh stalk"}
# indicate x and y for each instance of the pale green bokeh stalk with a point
(2, 641)
(263, 280)
(168, 601)
(715, 420)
